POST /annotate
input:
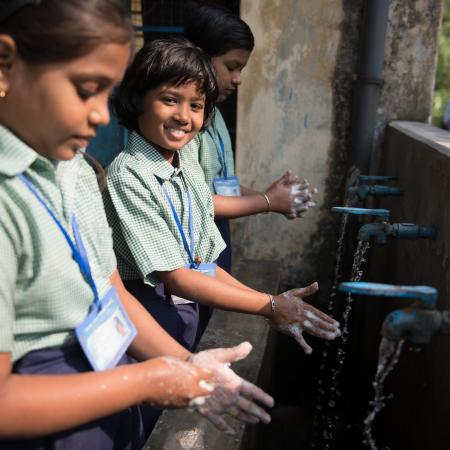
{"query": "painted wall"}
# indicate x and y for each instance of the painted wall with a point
(294, 112)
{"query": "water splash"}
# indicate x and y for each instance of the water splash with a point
(334, 393)
(320, 391)
(388, 356)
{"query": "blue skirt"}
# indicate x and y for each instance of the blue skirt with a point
(120, 431)
(224, 260)
(182, 322)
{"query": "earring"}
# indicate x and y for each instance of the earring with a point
(2, 94)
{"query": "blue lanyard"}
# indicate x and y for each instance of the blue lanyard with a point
(189, 248)
(78, 249)
(221, 149)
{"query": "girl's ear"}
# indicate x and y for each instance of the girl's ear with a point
(8, 55)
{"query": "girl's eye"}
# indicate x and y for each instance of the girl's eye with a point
(170, 100)
(197, 106)
(87, 90)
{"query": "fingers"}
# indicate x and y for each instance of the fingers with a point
(256, 393)
(232, 354)
(321, 329)
(312, 312)
(217, 420)
(298, 336)
(305, 291)
(252, 409)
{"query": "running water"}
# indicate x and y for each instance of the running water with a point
(334, 393)
(388, 357)
(330, 309)
(337, 271)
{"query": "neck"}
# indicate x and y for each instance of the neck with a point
(170, 156)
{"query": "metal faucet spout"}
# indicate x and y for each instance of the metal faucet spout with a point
(418, 326)
(379, 231)
(376, 190)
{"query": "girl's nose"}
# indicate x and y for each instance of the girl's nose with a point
(236, 80)
(99, 114)
(182, 114)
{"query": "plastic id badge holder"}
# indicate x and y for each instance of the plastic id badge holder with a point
(228, 187)
(208, 269)
(106, 333)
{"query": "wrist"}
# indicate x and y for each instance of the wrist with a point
(270, 306)
(267, 199)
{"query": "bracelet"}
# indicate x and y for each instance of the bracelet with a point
(272, 302)
(267, 200)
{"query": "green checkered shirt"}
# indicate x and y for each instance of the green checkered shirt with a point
(146, 237)
(43, 296)
(205, 150)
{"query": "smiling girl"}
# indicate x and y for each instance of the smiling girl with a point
(161, 211)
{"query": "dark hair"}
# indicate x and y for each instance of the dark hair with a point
(174, 61)
(48, 31)
(216, 30)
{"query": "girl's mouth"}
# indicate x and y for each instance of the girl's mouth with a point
(176, 132)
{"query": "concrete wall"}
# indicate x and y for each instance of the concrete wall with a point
(417, 417)
(294, 112)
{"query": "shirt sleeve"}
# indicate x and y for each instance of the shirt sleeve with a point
(100, 233)
(8, 274)
(143, 235)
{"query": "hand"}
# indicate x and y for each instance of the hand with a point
(293, 316)
(290, 196)
(177, 383)
(232, 394)
(303, 200)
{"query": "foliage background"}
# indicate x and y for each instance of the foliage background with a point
(442, 87)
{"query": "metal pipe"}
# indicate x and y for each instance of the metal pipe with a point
(368, 81)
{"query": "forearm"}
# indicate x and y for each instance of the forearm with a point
(151, 340)
(224, 276)
(233, 207)
(196, 286)
(248, 191)
(36, 405)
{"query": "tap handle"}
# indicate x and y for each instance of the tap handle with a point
(379, 178)
(382, 213)
(426, 295)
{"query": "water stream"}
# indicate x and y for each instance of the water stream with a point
(330, 310)
(388, 357)
(331, 417)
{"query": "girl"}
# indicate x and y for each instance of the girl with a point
(161, 211)
(63, 307)
(229, 42)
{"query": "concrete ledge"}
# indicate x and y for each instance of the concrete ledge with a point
(433, 137)
(181, 430)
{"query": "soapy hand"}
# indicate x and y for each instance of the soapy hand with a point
(291, 196)
(293, 316)
(176, 383)
(232, 394)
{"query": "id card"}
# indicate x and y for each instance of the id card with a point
(105, 335)
(208, 269)
(228, 187)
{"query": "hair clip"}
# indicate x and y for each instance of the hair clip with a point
(10, 7)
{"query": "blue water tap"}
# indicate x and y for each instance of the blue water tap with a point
(379, 231)
(419, 323)
(425, 295)
(362, 191)
(380, 213)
